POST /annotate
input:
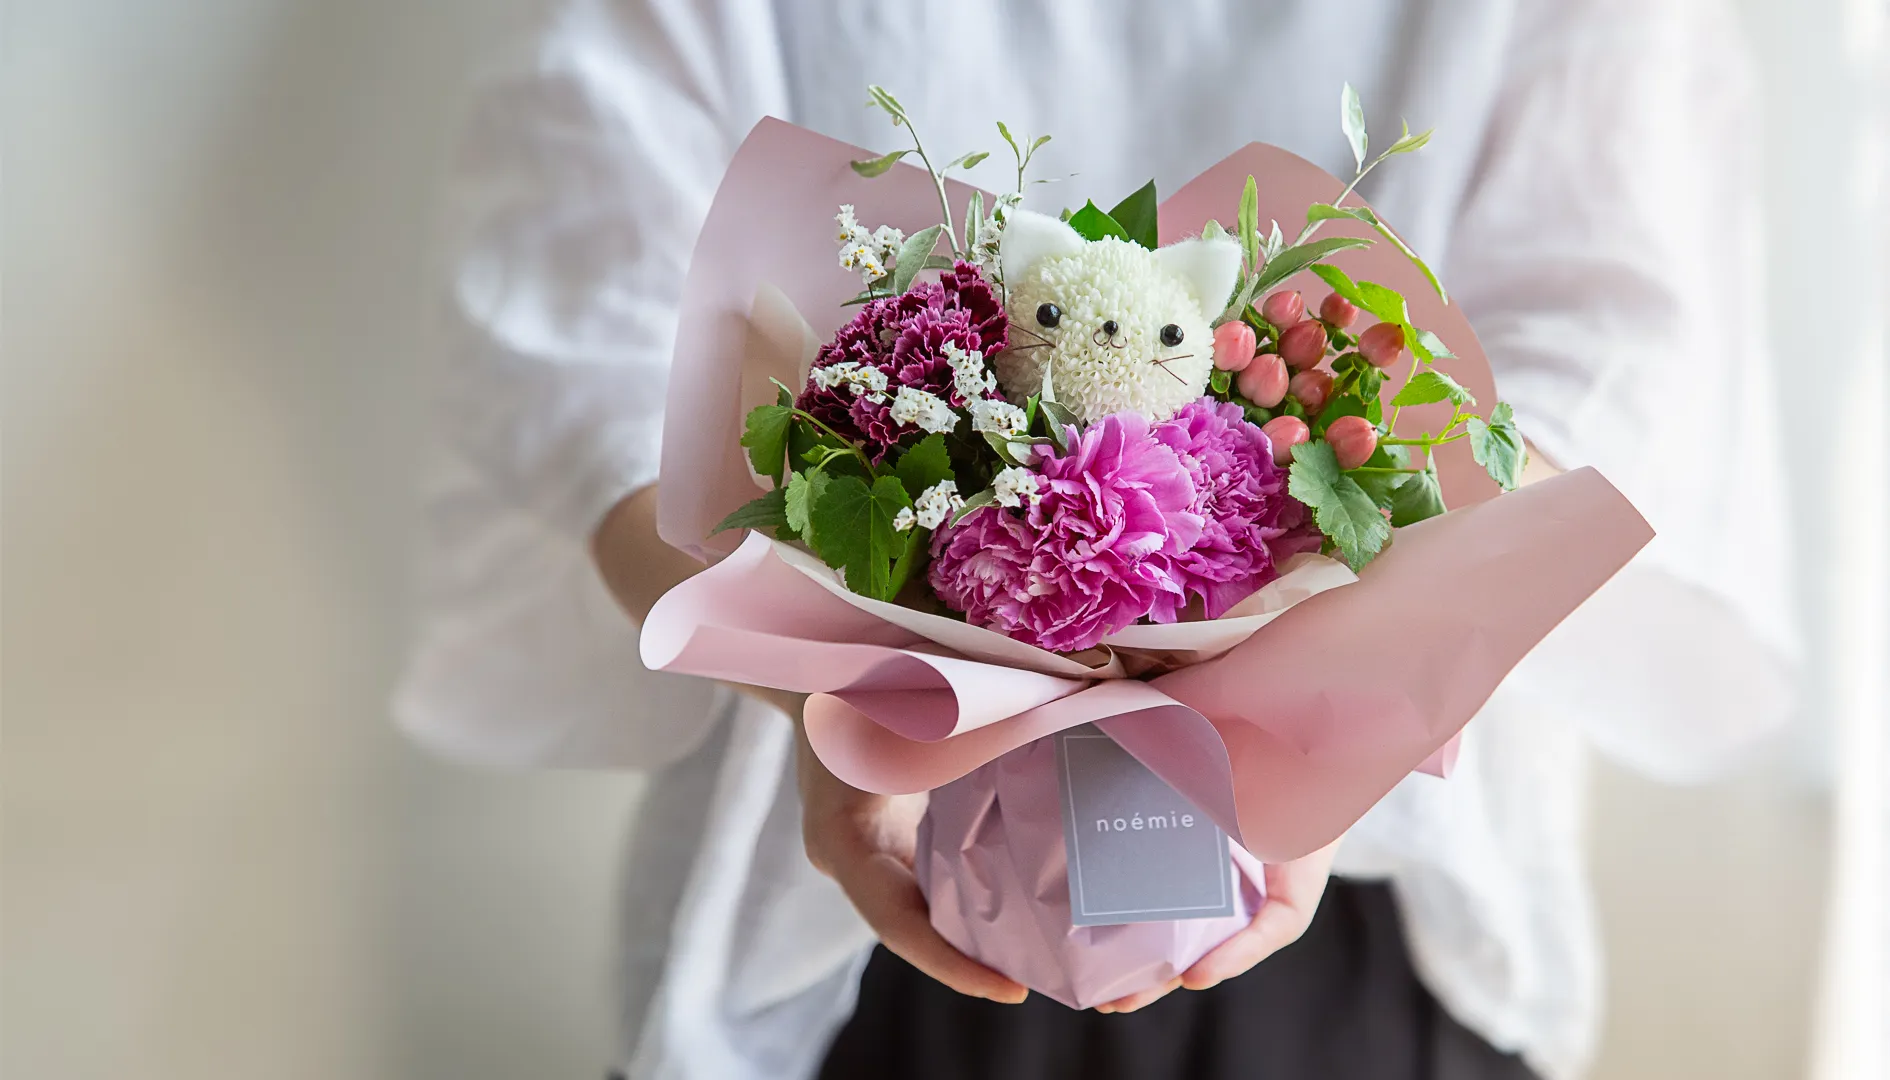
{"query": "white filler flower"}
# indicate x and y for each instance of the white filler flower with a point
(999, 417)
(1015, 486)
(932, 507)
(912, 405)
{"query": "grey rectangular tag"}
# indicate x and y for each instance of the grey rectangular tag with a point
(1139, 851)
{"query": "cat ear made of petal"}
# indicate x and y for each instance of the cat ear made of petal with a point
(1030, 237)
(1209, 265)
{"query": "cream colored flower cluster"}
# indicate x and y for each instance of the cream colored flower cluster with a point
(872, 253)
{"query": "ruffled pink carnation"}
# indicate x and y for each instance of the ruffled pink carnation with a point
(1094, 555)
(1250, 523)
(904, 336)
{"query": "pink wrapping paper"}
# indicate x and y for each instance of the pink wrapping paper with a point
(997, 835)
(1280, 737)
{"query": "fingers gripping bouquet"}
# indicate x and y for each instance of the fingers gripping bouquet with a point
(1080, 530)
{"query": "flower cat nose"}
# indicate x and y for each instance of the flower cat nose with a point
(1109, 328)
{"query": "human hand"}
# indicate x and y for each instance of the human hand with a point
(1293, 892)
(866, 843)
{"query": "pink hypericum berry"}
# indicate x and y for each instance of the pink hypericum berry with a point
(1303, 344)
(1382, 345)
(1312, 388)
(1337, 311)
(1234, 343)
(1264, 381)
(1284, 433)
(1284, 308)
(1353, 439)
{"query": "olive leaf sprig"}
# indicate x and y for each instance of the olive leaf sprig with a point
(978, 240)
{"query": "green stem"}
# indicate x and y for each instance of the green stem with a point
(902, 566)
(1313, 226)
(1426, 440)
(1396, 409)
(857, 452)
(938, 181)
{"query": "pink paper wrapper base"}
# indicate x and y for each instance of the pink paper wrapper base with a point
(992, 863)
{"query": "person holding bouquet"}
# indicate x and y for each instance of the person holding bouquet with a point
(1449, 934)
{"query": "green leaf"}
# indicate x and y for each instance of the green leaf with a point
(1136, 215)
(1057, 417)
(1433, 345)
(1005, 134)
(1037, 144)
(765, 434)
(852, 531)
(1397, 241)
(1220, 380)
(877, 166)
(982, 498)
(1321, 211)
(1015, 449)
(1370, 382)
(1274, 244)
(1091, 223)
(1292, 260)
(1386, 303)
(1339, 281)
(1341, 509)
(1001, 446)
(1415, 498)
(1498, 446)
(1408, 142)
(803, 491)
(911, 554)
(924, 465)
(822, 453)
(974, 217)
(911, 258)
(1352, 120)
(1378, 477)
(1326, 212)
(968, 161)
(763, 513)
(1431, 385)
(878, 97)
(1247, 223)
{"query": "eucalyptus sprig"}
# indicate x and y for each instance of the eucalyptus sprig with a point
(877, 97)
(1352, 122)
(1023, 155)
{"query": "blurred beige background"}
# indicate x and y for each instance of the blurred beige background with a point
(219, 859)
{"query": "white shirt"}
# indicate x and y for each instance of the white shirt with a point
(1588, 200)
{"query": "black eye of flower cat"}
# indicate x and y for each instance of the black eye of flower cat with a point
(1171, 335)
(1049, 315)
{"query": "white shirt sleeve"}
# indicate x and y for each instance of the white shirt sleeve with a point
(584, 172)
(1608, 255)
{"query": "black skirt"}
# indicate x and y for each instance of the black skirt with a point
(1342, 1003)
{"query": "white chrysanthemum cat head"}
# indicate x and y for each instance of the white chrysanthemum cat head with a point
(1121, 328)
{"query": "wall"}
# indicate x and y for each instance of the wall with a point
(220, 861)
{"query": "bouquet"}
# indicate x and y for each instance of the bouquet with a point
(1148, 567)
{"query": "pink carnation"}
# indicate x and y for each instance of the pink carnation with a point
(1096, 553)
(1249, 521)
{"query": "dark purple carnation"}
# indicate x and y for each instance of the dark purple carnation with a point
(904, 336)
(1250, 523)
